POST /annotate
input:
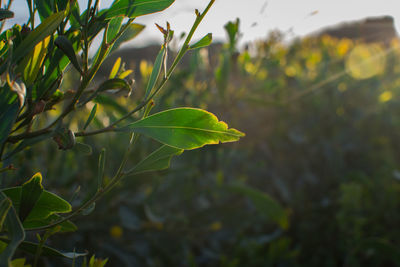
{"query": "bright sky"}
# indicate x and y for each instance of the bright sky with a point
(258, 17)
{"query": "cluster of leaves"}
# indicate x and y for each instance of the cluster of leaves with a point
(318, 171)
(35, 108)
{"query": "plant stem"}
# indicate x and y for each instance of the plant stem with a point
(120, 173)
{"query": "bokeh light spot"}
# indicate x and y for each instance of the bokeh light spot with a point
(366, 61)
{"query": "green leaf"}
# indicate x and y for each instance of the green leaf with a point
(115, 68)
(45, 8)
(30, 65)
(46, 28)
(131, 32)
(7, 121)
(264, 204)
(184, 128)
(136, 8)
(66, 226)
(205, 41)
(65, 45)
(15, 233)
(111, 84)
(83, 148)
(47, 204)
(31, 248)
(155, 72)
(113, 28)
(5, 14)
(91, 116)
(232, 28)
(5, 206)
(30, 194)
(100, 170)
(28, 143)
(75, 19)
(158, 160)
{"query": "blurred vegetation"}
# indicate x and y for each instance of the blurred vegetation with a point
(315, 182)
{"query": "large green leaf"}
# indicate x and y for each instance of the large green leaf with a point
(46, 28)
(185, 128)
(158, 160)
(263, 203)
(30, 194)
(47, 204)
(15, 232)
(135, 8)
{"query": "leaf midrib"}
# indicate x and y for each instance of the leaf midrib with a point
(189, 128)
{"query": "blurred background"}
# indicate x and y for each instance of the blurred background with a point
(315, 85)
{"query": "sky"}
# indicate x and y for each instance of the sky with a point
(258, 17)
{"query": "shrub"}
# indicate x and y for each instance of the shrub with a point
(34, 59)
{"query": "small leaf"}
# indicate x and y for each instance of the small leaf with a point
(5, 14)
(46, 28)
(232, 28)
(264, 204)
(89, 209)
(131, 32)
(65, 45)
(91, 116)
(205, 41)
(100, 170)
(113, 28)
(158, 160)
(16, 234)
(184, 128)
(155, 72)
(30, 194)
(133, 9)
(31, 248)
(125, 74)
(115, 68)
(83, 148)
(113, 84)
